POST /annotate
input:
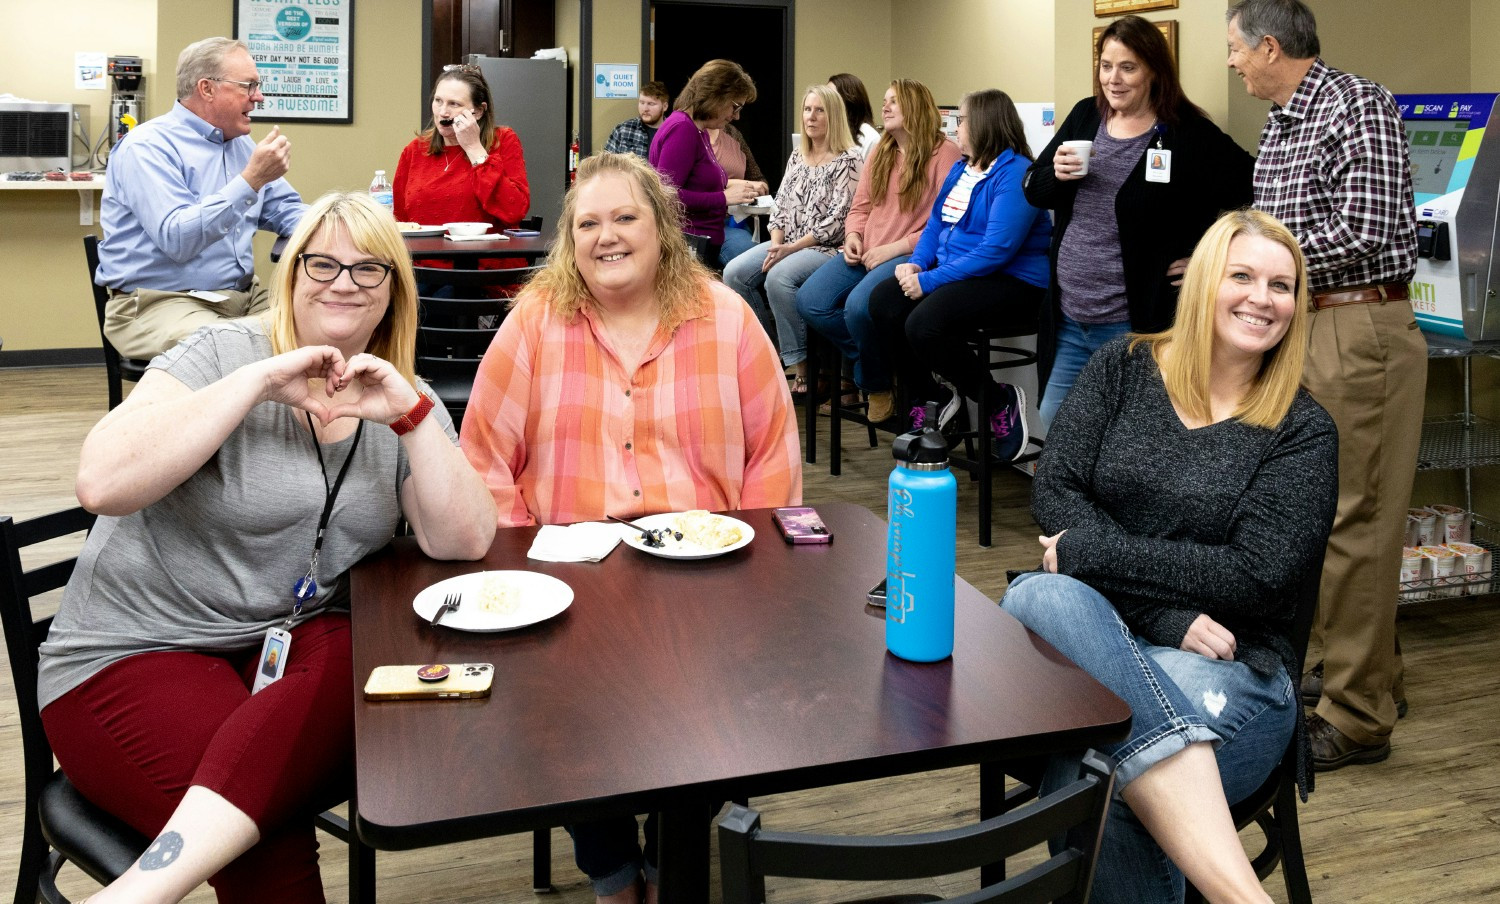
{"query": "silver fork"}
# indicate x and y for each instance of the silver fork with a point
(450, 604)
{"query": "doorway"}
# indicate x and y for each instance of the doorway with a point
(757, 34)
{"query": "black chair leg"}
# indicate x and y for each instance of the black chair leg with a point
(33, 860)
(1293, 867)
(361, 870)
(810, 416)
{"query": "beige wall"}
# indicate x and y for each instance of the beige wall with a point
(45, 300)
(958, 46)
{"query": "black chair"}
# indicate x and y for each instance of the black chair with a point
(59, 824)
(831, 376)
(977, 440)
(748, 853)
(117, 367)
(1273, 806)
(453, 333)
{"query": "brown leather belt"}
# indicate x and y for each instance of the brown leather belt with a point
(1332, 298)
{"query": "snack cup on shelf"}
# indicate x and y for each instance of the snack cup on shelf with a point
(1476, 565)
(1447, 574)
(1455, 525)
(1416, 573)
(1427, 526)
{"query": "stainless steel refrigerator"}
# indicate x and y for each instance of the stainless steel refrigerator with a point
(531, 97)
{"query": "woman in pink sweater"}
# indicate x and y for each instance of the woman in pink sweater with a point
(896, 191)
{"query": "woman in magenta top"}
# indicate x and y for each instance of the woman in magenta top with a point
(682, 152)
(462, 167)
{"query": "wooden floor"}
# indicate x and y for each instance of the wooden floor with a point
(1423, 826)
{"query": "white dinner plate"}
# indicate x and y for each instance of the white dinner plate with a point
(681, 549)
(541, 596)
(423, 232)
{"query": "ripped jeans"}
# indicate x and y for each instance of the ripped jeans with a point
(1176, 698)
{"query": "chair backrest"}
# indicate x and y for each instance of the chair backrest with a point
(748, 853)
(101, 298)
(471, 283)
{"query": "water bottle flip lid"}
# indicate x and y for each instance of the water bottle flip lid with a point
(925, 446)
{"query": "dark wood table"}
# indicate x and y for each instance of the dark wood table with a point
(676, 685)
(532, 248)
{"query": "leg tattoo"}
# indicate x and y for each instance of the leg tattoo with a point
(163, 852)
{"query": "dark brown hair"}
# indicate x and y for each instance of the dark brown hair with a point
(1143, 39)
(716, 82)
(856, 100)
(479, 93)
(994, 127)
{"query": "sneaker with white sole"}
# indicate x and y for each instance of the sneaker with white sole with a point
(1008, 424)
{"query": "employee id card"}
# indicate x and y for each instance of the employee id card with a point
(272, 662)
(1158, 165)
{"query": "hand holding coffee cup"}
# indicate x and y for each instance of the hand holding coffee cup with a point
(1072, 160)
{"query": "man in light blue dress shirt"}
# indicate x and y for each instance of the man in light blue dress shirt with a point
(183, 198)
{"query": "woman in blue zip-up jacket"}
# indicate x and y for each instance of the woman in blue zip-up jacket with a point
(981, 262)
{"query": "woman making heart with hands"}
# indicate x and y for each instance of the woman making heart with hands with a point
(250, 468)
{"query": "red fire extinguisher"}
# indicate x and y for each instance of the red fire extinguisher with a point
(573, 159)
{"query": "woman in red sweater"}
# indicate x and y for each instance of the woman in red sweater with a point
(462, 167)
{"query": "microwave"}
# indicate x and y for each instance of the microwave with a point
(35, 137)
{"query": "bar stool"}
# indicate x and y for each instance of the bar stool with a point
(976, 440)
(817, 346)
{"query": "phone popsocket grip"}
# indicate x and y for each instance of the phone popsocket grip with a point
(433, 672)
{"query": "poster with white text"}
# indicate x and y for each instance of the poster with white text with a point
(304, 53)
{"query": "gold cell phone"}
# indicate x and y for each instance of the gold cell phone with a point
(440, 681)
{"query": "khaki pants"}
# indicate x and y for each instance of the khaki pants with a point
(1366, 364)
(145, 322)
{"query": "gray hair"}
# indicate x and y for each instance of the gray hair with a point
(1290, 22)
(203, 59)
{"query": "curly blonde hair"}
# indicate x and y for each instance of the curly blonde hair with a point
(681, 281)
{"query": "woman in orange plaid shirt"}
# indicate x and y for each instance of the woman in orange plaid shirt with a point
(627, 381)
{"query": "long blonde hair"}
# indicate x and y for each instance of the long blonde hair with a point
(924, 127)
(373, 231)
(839, 139)
(1186, 371)
(681, 281)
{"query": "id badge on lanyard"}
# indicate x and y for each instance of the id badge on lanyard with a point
(1158, 161)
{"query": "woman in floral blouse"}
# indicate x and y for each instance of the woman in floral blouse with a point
(806, 229)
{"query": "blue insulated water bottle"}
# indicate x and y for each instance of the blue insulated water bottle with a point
(920, 547)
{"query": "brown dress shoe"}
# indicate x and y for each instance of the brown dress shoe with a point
(1332, 749)
(1312, 691)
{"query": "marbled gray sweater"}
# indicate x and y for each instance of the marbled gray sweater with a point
(1169, 523)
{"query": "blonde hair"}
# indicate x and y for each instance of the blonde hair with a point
(839, 139)
(681, 281)
(1191, 337)
(373, 231)
(924, 126)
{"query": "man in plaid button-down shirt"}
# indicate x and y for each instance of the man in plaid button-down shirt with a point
(1334, 167)
(633, 136)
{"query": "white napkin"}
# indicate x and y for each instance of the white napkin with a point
(487, 237)
(587, 541)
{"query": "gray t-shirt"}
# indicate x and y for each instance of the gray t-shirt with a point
(1090, 271)
(211, 565)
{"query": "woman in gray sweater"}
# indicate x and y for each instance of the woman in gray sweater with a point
(1185, 497)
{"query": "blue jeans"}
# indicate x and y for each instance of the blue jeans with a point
(1076, 342)
(737, 240)
(609, 852)
(779, 288)
(835, 302)
(1176, 698)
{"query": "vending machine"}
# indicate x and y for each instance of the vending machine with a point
(1455, 170)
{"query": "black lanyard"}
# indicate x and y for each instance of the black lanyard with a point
(307, 586)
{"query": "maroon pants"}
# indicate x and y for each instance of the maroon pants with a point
(134, 737)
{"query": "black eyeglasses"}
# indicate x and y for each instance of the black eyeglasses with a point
(250, 87)
(466, 68)
(366, 274)
(737, 105)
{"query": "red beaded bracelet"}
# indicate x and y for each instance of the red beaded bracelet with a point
(408, 422)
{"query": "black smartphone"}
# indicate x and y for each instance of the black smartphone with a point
(876, 596)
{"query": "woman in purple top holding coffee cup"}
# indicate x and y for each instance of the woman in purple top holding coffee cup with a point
(1157, 174)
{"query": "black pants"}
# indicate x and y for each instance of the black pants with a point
(931, 333)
